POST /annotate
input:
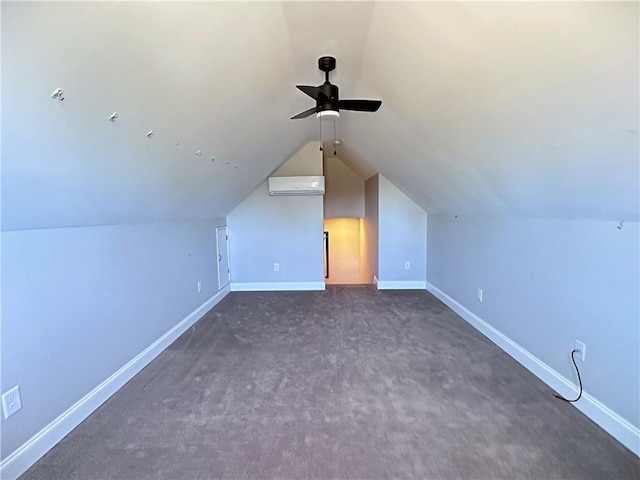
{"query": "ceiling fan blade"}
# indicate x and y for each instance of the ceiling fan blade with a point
(360, 105)
(313, 92)
(305, 114)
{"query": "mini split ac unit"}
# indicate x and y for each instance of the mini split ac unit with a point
(312, 185)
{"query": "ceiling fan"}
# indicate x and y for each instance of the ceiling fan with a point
(328, 103)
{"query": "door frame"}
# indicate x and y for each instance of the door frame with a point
(225, 231)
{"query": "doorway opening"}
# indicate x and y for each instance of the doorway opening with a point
(344, 251)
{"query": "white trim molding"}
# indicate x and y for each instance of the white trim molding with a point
(401, 285)
(275, 286)
(610, 421)
(34, 448)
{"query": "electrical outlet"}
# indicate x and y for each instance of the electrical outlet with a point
(407, 265)
(11, 402)
(199, 287)
(480, 295)
(276, 267)
(581, 350)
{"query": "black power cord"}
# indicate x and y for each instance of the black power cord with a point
(579, 379)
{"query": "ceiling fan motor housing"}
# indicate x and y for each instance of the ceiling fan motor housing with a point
(330, 102)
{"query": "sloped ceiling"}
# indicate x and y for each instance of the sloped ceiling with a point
(527, 109)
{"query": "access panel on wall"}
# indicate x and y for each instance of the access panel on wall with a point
(222, 247)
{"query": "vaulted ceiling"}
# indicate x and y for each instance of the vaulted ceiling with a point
(526, 109)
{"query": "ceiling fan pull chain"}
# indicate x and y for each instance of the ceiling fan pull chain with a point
(334, 139)
(320, 134)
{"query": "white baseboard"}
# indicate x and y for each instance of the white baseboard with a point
(275, 286)
(34, 448)
(401, 285)
(614, 424)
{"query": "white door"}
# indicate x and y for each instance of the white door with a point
(222, 247)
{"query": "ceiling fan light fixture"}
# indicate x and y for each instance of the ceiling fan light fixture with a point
(328, 114)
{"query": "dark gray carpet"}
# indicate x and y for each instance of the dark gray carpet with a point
(351, 383)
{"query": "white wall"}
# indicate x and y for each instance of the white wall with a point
(306, 161)
(264, 230)
(79, 303)
(344, 195)
(547, 283)
(370, 265)
(402, 237)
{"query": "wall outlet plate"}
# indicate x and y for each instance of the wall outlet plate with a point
(407, 265)
(199, 287)
(11, 402)
(582, 350)
(480, 295)
(276, 267)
